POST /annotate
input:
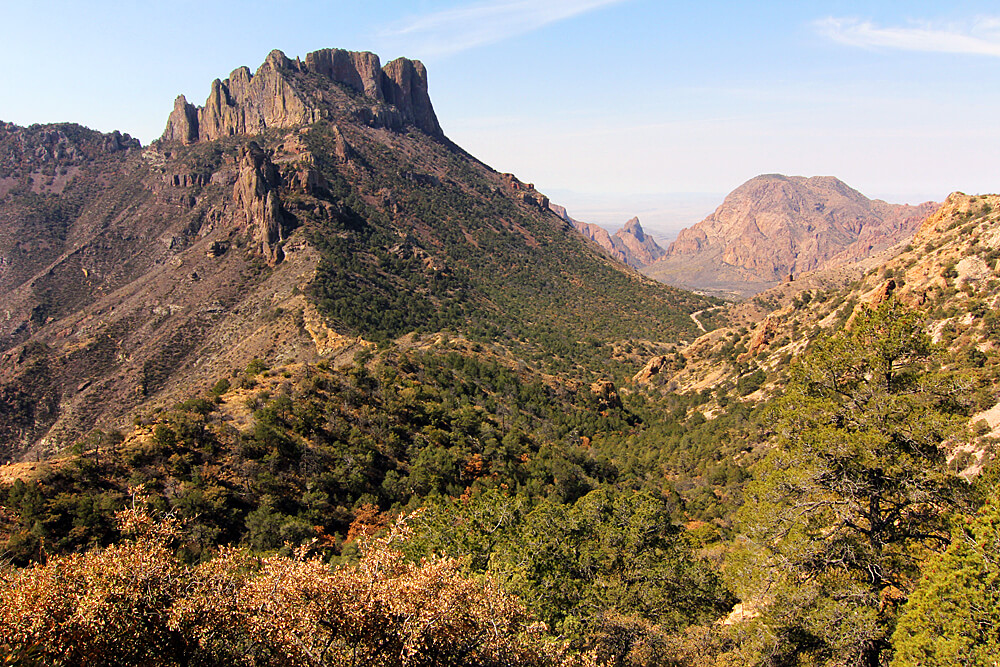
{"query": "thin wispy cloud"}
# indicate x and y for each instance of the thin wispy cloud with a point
(455, 30)
(979, 37)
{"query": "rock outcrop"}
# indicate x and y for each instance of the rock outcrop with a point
(763, 334)
(255, 195)
(607, 395)
(283, 93)
(652, 369)
(526, 192)
(774, 226)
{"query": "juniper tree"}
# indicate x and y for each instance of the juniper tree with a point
(953, 616)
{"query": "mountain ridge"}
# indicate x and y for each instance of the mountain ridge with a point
(629, 245)
(274, 96)
(292, 236)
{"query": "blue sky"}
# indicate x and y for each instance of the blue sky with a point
(612, 107)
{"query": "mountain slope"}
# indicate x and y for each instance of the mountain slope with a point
(306, 209)
(775, 226)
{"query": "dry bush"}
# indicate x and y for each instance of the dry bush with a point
(101, 607)
(135, 603)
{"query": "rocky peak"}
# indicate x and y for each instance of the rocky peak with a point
(629, 245)
(634, 228)
(639, 249)
(286, 93)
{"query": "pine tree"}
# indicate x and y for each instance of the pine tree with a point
(854, 494)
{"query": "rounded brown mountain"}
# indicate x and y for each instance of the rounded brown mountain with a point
(774, 226)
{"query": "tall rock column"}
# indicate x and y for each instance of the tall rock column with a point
(182, 125)
(259, 210)
(405, 86)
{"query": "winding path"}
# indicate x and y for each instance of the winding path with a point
(694, 316)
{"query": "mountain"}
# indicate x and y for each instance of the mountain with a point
(629, 245)
(640, 249)
(344, 377)
(305, 212)
(774, 227)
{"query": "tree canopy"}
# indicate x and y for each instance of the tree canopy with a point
(854, 493)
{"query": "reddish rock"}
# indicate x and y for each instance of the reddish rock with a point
(629, 245)
(255, 195)
(872, 299)
(762, 336)
(775, 226)
(639, 249)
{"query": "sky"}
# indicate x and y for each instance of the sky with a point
(613, 108)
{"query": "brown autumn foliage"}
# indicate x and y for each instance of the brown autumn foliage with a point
(136, 603)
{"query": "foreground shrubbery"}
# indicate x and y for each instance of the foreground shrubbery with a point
(136, 603)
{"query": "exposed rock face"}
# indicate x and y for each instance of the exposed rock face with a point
(280, 95)
(629, 245)
(872, 299)
(774, 226)
(358, 70)
(255, 194)
(526, 192)
(763, 334)
(182, 124)
(406, 89)
(652, 368)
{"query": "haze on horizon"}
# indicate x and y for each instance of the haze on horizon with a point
(612, 107)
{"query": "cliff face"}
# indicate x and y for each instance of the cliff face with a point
(255, 195)
(285, 93)
(774, 226)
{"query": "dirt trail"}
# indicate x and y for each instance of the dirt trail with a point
(694, 316)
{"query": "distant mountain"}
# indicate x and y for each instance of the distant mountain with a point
(775, 226)
(640, 249)
(629, 245)
(307, 210)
